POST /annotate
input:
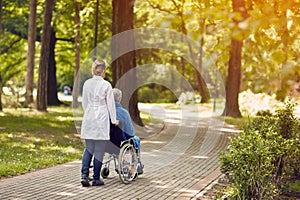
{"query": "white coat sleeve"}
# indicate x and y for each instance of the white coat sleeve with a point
(111, 105)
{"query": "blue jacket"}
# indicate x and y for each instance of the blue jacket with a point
(125, 124)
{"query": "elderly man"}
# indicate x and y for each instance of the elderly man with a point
(125, 127)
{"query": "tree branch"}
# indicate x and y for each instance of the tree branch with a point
(38, 37)
(66, 39)
(5, 50)
(158, 7)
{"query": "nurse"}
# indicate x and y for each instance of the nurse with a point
(99, 108)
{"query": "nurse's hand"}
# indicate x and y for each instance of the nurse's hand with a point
(116, 123)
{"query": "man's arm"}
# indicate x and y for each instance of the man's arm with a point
(127, 124)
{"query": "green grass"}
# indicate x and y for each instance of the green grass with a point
(147, 118)
(31, 140)
(172, 106)
(242, 123)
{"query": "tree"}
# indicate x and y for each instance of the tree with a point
(270, 58)
(1, 15)
(44, 60)
(75, 92)
(202, 87)
(0, 74)
(15, 25)
(52, 98)
(178, 9)
(96, 30)
(1, 109)
(31, 53)
(283, 32)
(122, 20)
(233, 82)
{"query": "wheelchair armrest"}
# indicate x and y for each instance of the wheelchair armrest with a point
(130, 141)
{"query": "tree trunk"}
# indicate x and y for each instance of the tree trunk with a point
(184, 31)
(202, 87)
(123, 17)
(233, 82)
(41, 103)
(1, 109)
(182, 79)
(52, 98)
(284, 35)
(31, 53)
(96, 29)
(0, 16)
(75, 92)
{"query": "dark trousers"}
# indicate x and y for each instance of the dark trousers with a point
(96, 148)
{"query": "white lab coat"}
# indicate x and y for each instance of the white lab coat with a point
(98, 105)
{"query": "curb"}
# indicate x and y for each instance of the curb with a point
(201, 187)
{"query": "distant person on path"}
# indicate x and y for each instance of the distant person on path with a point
(67, 90)
(99, 107)
(125, 127)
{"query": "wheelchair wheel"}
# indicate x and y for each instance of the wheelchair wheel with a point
(105, 172)
(127, 167)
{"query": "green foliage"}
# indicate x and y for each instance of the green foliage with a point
(264, 113)
(156, 94)
(147, 118)
(265, 156)
(270, 57)
(269, 53)
(13, 44)
(248, 164)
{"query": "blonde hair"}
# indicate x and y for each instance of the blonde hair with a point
(98, 67)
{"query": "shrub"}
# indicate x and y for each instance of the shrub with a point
(264, 156)
(156, 94)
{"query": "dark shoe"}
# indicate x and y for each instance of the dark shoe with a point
(85, 182)
(97, 183)
(140, 169)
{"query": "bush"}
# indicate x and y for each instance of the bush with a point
(263, 157)
(156, 94)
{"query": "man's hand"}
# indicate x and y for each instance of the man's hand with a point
(116, 123)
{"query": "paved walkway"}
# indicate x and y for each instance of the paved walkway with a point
(180, 161)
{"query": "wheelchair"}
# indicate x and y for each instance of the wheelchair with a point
(124, 154)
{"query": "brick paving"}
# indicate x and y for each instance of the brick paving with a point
(180, 161)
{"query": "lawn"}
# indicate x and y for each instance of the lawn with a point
(242, 122)
(31, 140)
